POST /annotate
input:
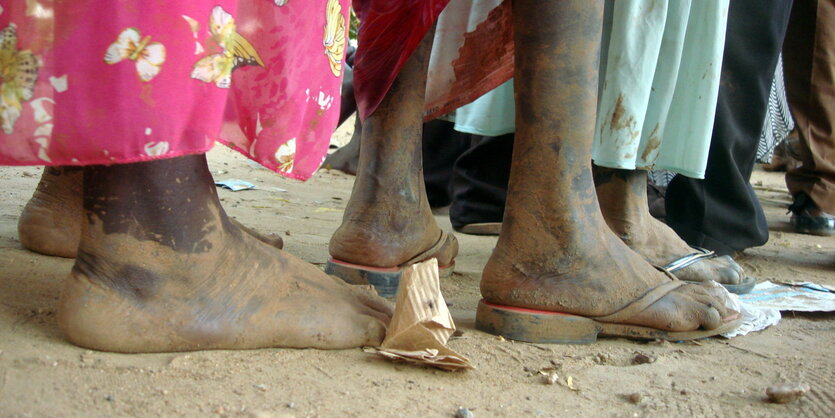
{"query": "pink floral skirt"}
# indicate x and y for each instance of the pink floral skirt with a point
(103, 82)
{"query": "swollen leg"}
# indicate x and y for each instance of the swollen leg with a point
(388, 220)
(161, 268)
(556, 252)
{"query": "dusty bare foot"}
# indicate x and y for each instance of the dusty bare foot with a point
(51, 222)
(388, 220)
(272, 240)
(622, 196)
(346, 159)
(555, 251)
(147, 279)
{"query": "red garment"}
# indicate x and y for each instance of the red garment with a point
(390, 30)
(471, 55)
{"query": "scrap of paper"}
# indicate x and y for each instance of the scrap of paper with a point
(235, 185)
(422, 324)
(798, 297)
(761, 307)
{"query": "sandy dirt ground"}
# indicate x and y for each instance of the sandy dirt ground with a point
(43, 375)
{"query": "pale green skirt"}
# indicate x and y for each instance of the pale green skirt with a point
(659, 80)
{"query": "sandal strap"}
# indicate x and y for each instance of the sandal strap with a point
(429, 252)
(640, 304)
(689, 259)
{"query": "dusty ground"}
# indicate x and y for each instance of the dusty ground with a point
(42, 375)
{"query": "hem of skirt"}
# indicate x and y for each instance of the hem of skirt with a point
(613, 164)
(620, 165)
(273, 168)
(688, 173)
(104, 161)
(483, 132)
(146, 158)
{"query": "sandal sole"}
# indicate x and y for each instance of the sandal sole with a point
(544, 327)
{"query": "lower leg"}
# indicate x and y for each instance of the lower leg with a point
(50, 223)
(810, 69)
(622, 196)
(556, 252)
(161, 268)
(388, 220)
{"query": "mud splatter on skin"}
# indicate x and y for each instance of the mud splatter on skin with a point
(134, 288)
(559, 254)
(131, 281)
(622, 196)
(387, 220)
(155, 212)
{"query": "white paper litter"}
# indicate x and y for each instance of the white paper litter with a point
(800, 297)
(754, 319)
(235, 185)
(761, 307)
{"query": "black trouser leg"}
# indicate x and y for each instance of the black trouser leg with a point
(722, 212)
(442, 145)
(479, 181)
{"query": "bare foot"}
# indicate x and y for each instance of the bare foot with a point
(50, 224)
(51, 221)
(346, 159)
(148, 279)
(272, 240)
(388, 221)
(622, 196)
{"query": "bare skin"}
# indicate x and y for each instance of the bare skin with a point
(51, 221)
(50, 224)
(161, 268)
(622, 197)
(556, 252)
(388, 220)
(346, 159)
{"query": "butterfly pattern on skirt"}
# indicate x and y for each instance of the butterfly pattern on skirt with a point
(149, 56)
(19, 73)
(236, 52)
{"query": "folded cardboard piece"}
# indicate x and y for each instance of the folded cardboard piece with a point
(422, 324)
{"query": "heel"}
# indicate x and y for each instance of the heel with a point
(384, 280)
(535, 326)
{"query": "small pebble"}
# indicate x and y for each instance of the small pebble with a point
(464, 413)
(641, 358)
(786, 393)
(109, 398)
(550, 378)
(634, 398)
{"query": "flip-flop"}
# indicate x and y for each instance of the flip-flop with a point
(537, 326)
(702, 254)
(481, 228)
(386, 279)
